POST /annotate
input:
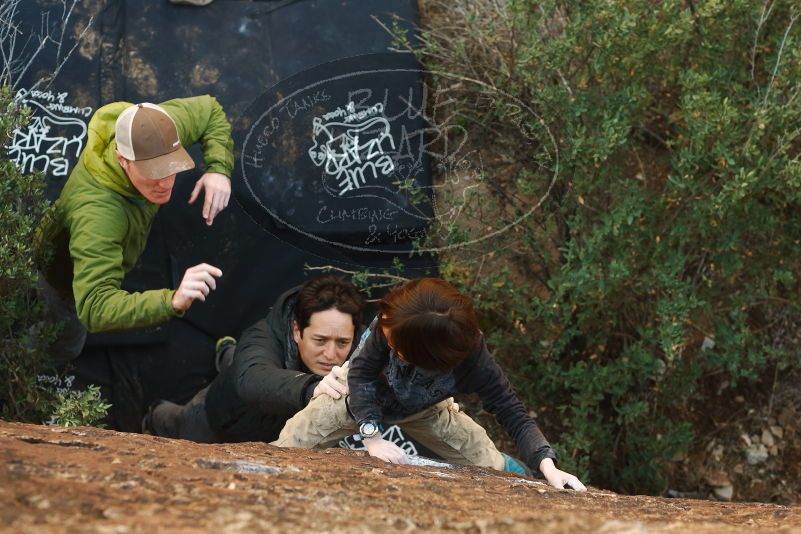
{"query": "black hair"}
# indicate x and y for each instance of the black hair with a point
(431, 325)
(324, 293)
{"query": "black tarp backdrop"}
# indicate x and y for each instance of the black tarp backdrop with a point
(151, 50)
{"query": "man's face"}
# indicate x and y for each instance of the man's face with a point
(326, 341)
(156, 191)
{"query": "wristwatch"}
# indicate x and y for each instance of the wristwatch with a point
(369, 429)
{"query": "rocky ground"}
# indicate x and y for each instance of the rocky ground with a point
(746, 445)
(86, 479)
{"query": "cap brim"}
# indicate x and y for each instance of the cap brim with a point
(157, 168)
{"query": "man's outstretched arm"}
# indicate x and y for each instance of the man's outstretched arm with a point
(202, 120)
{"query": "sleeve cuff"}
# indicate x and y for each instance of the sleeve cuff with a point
(171, 312)
(541, 454)
(221, 169)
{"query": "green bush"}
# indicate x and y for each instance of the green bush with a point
(79, 408)
(24, 334)
(23, 337)
(645, 156)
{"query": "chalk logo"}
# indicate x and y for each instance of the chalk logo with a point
(391, 433)
(352, 146)
(50, 141)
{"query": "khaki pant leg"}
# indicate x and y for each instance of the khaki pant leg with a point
(321, 424)
(455, 437)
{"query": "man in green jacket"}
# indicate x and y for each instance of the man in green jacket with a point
(98, 227)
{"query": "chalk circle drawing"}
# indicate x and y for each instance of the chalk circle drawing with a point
(52, 140)
(370, 145)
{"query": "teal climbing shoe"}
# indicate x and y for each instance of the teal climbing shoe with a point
(513, 465)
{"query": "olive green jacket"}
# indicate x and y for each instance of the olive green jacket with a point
(98, 227)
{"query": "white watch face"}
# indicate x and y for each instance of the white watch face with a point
(368, 430)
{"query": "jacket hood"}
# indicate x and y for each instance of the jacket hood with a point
(281, 319)
(99, 156)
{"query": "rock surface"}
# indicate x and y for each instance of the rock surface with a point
(87, 479)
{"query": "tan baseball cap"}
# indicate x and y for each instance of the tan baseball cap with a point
(147, 135)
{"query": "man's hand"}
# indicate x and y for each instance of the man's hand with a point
(330, 386)
(217, 193)
(453, 407)
(385, 450)
(197, 284)
(558, 478)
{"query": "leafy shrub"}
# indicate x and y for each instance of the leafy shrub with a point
(24, 334)
(644, 157)
(23, 339)
(79, 408)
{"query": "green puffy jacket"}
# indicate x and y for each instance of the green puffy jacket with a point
(98, 227)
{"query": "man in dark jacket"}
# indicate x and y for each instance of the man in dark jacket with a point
(279, 364)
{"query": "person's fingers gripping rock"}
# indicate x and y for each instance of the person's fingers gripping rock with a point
(385, 450)
(330, 384)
